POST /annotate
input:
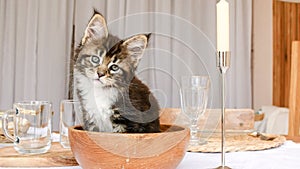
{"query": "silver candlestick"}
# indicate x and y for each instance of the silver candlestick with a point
(223, 63)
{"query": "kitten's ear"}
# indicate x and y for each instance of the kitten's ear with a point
(96, 29)
(136, 46)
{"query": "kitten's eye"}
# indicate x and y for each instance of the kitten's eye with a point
(95, 59)
(114, 67)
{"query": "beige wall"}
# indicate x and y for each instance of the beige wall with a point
(262, 53)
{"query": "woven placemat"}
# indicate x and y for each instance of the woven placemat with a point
(235, 143)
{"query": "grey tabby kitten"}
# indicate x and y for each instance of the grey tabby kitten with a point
(113, 99)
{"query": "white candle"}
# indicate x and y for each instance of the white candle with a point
(222, 26)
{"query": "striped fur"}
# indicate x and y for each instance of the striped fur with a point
(113, 99)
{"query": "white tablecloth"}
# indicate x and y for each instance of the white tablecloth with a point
(285, 157)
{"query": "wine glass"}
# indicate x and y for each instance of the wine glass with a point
(194, 96)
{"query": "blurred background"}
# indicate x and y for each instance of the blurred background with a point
(37, 38)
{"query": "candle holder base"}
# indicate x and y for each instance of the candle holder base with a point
(221, 167)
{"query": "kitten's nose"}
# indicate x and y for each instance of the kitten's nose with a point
(100, 74)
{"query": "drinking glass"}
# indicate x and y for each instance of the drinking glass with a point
(31, 124)
(194, 96)
(69, 116)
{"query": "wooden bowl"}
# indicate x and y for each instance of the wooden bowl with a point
(123, 150)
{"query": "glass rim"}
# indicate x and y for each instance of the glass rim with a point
(69, 101)
(32, 102)
(203, 81)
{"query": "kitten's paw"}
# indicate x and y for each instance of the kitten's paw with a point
(119, 128)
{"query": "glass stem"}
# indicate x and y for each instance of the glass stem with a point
(194, 138)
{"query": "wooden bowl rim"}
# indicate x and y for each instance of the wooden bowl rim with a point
(178, 128)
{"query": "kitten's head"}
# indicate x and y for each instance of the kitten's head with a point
(105, 64)
(117, 68)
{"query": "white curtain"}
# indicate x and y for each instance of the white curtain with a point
(36, 39)
(34, 49)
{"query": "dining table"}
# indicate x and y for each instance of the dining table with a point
(286, 156)
(283, 156)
